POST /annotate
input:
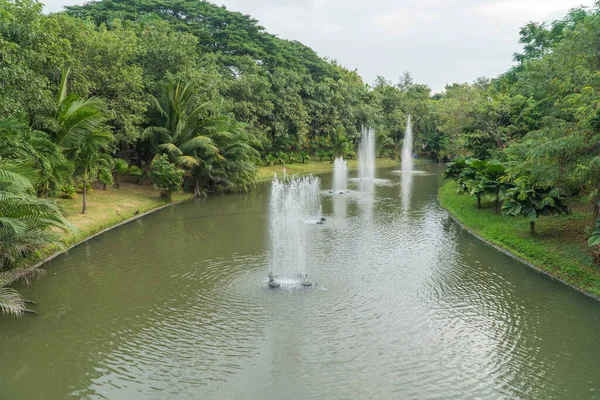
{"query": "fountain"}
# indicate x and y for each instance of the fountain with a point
(340, 176)
(366, 155)
(294, 203)
(407, 147)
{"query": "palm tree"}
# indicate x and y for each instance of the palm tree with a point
(338, 142)
(78, 130)
(24, 218)
(24, 225)
(530, 199)
(76, 117)
(199, 141)
(237, 147)
(21, 143)
(91, 160)
(120, 167)
(11, 302)
(383, 142)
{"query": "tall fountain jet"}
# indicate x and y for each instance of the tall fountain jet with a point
(407, 147)
(294, 202)
(366, 155)
(340, 175)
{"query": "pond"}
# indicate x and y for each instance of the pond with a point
(406, 305)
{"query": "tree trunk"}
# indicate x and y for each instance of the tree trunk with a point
(497, 205)
(84, 209)
(197, 191)
(532, 228)
(478, 201)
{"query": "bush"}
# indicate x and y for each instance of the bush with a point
(166, 177)
(67, 192)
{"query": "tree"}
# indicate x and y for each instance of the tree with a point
(383, 142)
(22, 144)
(105, 63)
(166, 177)
(181, 131)
(76, 117)
(32, 51)
(213, 148)
(338, 142)
(530, 200)
(92, 161)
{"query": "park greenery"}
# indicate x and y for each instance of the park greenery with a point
(189, 95)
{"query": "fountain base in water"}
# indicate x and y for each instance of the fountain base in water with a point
(302, 280)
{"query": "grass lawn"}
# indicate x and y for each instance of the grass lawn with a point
(559, 247)
(315, 167)
(109, 207)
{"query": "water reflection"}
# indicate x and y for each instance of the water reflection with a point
(406, 180)
(366, 198)
(340, 205)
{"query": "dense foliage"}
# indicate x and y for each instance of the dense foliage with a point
(540, 121)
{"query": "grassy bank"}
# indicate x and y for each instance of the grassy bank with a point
(316, 167)
(558, 248)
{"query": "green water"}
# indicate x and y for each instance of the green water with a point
(175, 306)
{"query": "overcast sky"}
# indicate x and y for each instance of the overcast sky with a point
(437, 41)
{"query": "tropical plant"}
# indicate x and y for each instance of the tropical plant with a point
(182, 131)
(493, 182)
(383, 142)
(321, 154)
(530, 200)
(76, 117)
(338, 142)
(20, 143)
(11, 302)
(270, 159)
(91, 160)
(166, 177)
(304, 156)
(25, 219)
(595, 238)
(122, 168)
(471, 178)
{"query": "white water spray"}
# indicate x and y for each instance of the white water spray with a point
(340, 175)
(407, 147)
(366, 155)
(294, 203)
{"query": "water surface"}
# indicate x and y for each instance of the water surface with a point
(407, 305)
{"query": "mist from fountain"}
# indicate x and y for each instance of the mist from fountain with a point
(295, 202)
(366, 155)
(407, 147)
(340, 175)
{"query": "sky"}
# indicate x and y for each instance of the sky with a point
(437, 41)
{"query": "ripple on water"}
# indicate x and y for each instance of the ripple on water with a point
(176, 306)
